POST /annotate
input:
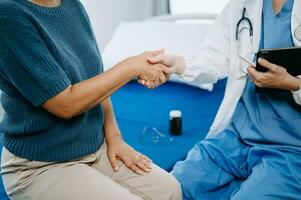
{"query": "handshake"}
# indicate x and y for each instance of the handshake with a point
(155, 67)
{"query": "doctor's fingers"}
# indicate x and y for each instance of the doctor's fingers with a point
(252, 78)
(150, 54)
(162, 58)
(256, 82)
(270, 66)
(258, 76)
(262, 79)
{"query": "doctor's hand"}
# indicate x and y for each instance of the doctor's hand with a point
(276, 77)
(175, 63)
(152, 75)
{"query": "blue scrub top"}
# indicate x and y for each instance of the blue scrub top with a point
(270, 119)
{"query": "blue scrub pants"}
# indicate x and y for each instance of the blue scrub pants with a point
(224, 167)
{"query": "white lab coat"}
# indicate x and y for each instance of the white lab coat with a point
(218, 58)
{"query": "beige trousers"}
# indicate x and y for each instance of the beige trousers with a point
(88, 178)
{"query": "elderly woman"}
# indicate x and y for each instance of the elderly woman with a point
(61, 140)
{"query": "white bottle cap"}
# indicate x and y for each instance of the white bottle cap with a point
(175, 114)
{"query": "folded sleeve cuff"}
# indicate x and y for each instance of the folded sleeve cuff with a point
(297, 96)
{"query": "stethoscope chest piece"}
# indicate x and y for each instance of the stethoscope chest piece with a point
(298, 33)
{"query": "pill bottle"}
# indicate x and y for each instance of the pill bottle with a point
(175, 122)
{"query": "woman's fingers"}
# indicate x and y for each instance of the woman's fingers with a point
(142, 163)
(138, 163)
(147, 163)
(141, 81)
(147, 159)
(137, 170)
(167, 70)
(155, 75)
(142, 166)
(156, 83)
(162, 78)
(130, 162)
(113, 161)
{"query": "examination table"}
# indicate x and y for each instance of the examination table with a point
(138, 109)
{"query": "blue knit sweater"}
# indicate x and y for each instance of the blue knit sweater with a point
(42, 52)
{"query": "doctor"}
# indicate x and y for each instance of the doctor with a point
(253, 150)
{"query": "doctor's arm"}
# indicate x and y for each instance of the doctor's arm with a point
(211, 62)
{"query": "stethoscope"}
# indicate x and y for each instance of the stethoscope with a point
(244, 24)
(249, 27)
(297, 33)
(240, 22)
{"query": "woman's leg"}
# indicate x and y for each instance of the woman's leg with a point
(76, 180)
(156, 185)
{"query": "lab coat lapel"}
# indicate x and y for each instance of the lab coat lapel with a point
(296, 20)
(254, 12)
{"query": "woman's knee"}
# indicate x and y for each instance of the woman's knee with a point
(165, 186)
(175, 188)
(172, 187)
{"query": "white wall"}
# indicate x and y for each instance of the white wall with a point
(197, 6)
(106, 15)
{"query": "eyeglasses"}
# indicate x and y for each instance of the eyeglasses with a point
(152, 135)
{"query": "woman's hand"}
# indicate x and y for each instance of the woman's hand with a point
(175, 63)
(275, 77)
(154, 74)
(119, 150)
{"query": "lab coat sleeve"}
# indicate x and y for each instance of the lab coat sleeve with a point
(211, 62)
(297, 96)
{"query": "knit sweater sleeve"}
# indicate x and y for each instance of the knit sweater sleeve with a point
(26, 62)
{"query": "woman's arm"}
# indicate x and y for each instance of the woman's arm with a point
(117, 148)
(111, 128)
(82, 96)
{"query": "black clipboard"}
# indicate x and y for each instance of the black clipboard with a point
(289, 58)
